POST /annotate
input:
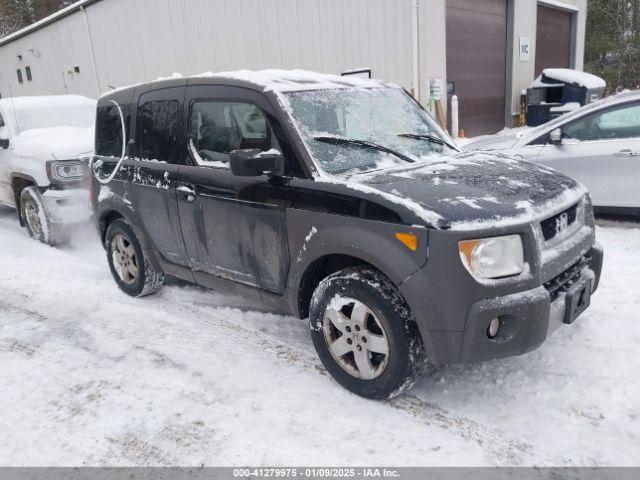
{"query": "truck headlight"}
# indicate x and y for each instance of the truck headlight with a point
(494, 257)
(66, 171)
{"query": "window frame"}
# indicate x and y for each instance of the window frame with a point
(543, 140)
(192, 158)
(19, 73)
(27, 71)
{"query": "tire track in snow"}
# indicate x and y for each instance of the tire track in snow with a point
(503, 450)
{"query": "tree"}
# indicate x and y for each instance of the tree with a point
(17, 14)
(612, 45)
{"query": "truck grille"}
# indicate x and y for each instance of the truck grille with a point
(562, 282)
(553, 226)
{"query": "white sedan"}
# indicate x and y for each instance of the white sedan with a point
(598, 144)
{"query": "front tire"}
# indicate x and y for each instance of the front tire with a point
(365, 334)
(129, 266)
(34, 216)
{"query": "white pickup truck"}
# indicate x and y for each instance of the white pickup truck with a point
(42, 141)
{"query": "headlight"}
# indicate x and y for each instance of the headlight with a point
(494, 257)
(65, 171)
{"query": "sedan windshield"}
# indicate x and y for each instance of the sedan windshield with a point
(355, 130)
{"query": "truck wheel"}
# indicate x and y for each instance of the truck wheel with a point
(130, 268)
(364, 333)
(34, 216)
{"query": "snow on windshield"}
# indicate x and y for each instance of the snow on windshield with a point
(326, 119)
(56, 115)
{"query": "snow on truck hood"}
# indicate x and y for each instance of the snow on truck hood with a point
(55, 143)
(473, 190)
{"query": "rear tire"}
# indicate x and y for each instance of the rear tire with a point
(130, 267)
(365, 334)
(34, 216)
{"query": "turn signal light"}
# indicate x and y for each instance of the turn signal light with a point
(409, 240)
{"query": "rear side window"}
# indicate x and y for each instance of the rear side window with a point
(157, 130)
(218, 128)
(108, 132)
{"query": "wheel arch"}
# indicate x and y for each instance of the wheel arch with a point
(20, 181)
(117, 209)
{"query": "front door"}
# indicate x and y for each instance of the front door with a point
(233, 227)
(602, 150)
(154, 170)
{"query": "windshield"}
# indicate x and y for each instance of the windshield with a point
(47, 116)
(354, 130)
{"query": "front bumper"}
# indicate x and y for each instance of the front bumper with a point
(453, 311)
(67, 206)
(526, 318)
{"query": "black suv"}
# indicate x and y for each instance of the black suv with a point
(341, 200)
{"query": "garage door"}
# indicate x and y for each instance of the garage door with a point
(553, 39)
(476, 62)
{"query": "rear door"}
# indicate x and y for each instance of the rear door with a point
(154, 170)
(233, 227)
(602, 150)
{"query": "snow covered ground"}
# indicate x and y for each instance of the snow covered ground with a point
(89, 376)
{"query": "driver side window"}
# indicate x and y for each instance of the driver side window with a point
(217, 128)
(616, 123)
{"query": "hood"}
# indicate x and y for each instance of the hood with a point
(56, 143)
(507, 138)
(473, 189)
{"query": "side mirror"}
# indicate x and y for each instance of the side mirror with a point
(555, 136)
(4, 143)
(253, 163)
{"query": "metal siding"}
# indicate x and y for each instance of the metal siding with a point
(139, 40)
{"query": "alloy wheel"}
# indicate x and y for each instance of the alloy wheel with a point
(356, 338)
(125, 261)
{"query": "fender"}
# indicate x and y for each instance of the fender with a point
(313, 235)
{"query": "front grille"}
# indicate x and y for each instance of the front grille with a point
(555, 225)
(562, 282)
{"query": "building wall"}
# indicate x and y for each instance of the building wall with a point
(140, 40)
(524, 18)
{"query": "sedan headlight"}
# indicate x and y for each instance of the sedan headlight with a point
(66, 171)
(494, 257)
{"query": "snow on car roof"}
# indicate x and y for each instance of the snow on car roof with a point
(276, 80)
(24, 103)
(293, 80)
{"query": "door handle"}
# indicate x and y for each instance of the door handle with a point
(626, 153)
(188, 192)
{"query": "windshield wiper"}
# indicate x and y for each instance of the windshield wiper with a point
(365, 144)
(429, 138)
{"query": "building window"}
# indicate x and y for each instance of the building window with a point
(19, 72)
(27, 70)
